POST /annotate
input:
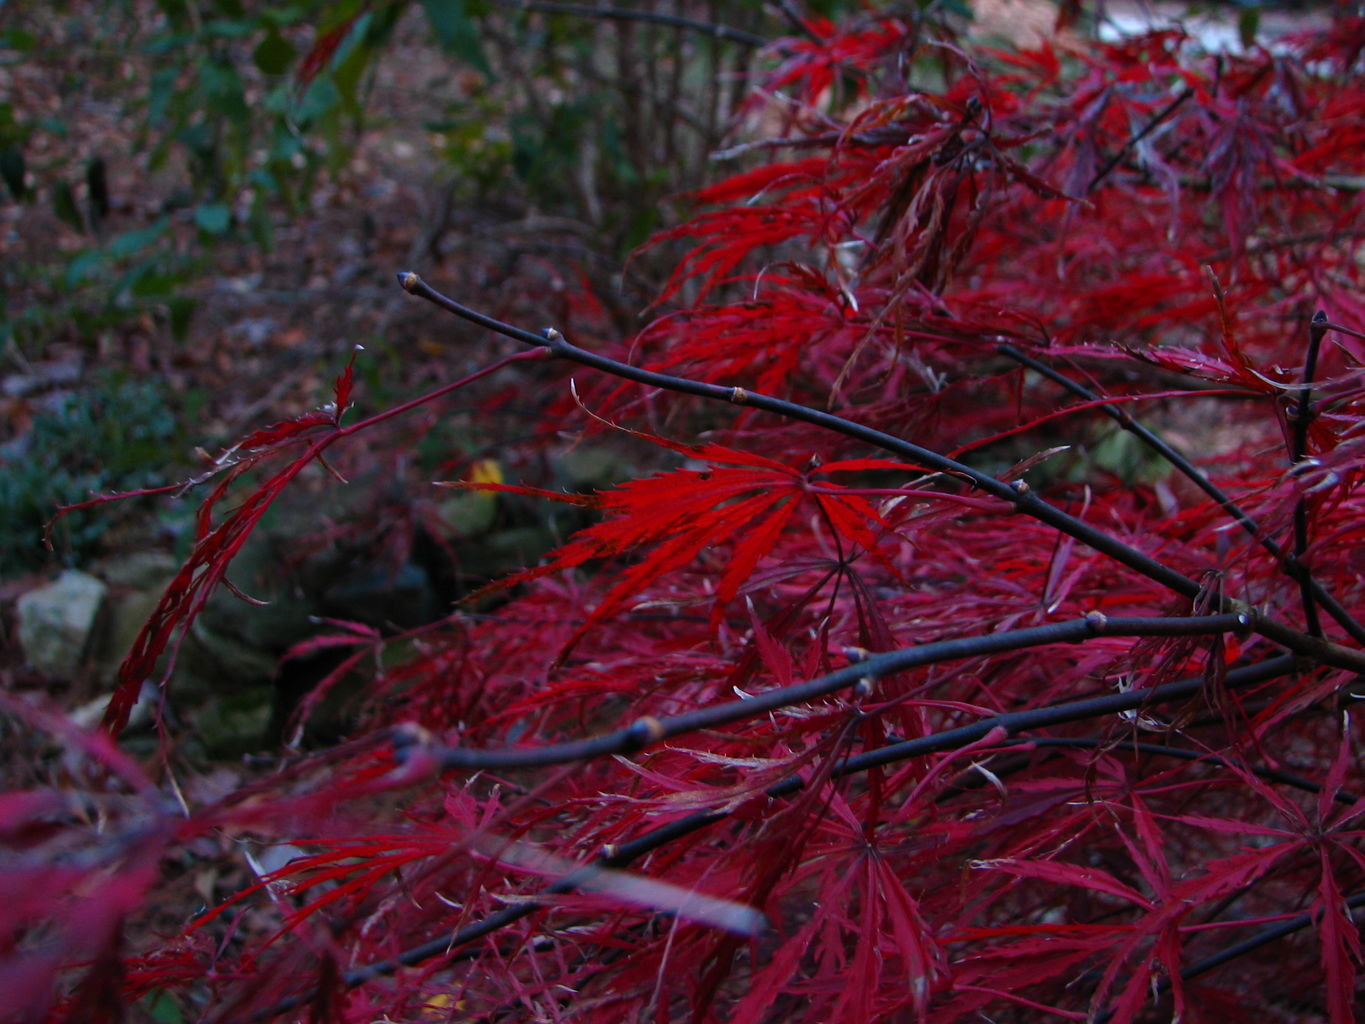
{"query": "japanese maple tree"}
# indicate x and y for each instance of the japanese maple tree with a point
(983, 647)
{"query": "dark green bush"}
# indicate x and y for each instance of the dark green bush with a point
(113, 436)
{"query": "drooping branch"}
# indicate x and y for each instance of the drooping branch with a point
(863, 673)
(1016, 494)
(620, 855)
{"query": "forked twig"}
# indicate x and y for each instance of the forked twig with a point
(1291, 566)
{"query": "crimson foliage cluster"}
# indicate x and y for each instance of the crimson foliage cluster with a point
(988, 650)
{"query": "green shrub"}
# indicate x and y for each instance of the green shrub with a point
(98, 440)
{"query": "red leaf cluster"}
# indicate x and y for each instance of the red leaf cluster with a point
(782, 679)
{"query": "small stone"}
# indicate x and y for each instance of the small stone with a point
(58, 621)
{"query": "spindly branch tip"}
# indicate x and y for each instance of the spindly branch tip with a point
(408, 280)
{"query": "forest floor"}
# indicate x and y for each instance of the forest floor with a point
(271, 327)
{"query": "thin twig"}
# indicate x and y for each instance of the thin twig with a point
(1264, 937)
(1185, 754)
(1259, 245)
(733, 35)
(797, 21)
(1267, 935)
(1291, 567)
(1299, 440)
(1161, 115)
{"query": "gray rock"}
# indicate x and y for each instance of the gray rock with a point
(378, 595)
(58, 622)
(262, 570)
(212, 661)
(90, 714)
(140, 570)
(592, 468)
(137, 581)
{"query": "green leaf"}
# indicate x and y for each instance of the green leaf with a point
(12, 170)
(340, 13)
(56, 125)
(81, 266)
(162, 1010)
(160, 92)
(957, 8)
(457, 32)
(224, 90)
(176, 11)
(274, 54)
(319, 99)
(347, 75)
(260, 224)
(354, 37)
(64, 206)
(11, 132)
(278, 17)
(151, 284)
(132, 280)
(181, 311)
(213, 218)
(131, 241)
(18, 39)
(221, 28)
(284, 147)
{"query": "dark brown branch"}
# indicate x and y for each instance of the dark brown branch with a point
(1291, 566)
(1259, 245)
(1299, 438)
(648, 731)
(1017, 494)
(1284, 778)
(1161, 115)
(1264, 937)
